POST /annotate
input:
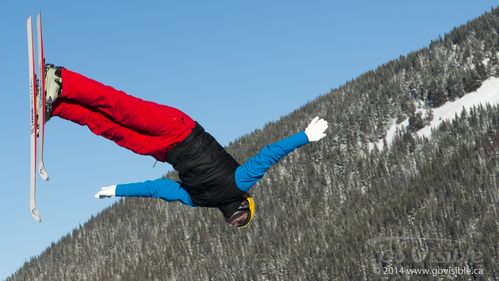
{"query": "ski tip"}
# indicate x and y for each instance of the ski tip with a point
(43, 172)
(36, 215)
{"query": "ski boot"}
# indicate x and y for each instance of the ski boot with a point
(53, 85)
(53, 88)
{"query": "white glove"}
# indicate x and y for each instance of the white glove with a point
(316, 128)
(106, 192)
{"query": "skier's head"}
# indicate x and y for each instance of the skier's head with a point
(243, 213)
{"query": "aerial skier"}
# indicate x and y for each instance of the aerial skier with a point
(209, 176)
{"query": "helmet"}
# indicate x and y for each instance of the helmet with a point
(244, 213)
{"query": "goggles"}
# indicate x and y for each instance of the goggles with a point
(242, 216)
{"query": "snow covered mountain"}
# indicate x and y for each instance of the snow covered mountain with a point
(355, 210)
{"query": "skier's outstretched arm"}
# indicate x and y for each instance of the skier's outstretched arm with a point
(165, 189)
(254, 168)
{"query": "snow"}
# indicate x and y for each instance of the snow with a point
(390, 134)
(488, 93)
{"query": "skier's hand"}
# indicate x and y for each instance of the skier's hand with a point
(315, 130)
(106, 192)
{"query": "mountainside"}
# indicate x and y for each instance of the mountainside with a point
(340, 209)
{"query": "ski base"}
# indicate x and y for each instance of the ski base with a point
(37, 115)
(41, 90)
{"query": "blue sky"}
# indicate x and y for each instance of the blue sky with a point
(232, 65)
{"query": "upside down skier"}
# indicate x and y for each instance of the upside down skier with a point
(209, 176)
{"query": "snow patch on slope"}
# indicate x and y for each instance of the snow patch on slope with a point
(390, 134)
(488, 93)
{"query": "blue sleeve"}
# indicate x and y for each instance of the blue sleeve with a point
(254, 169)
(165, 189)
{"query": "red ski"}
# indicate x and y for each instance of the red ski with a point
(41, 90)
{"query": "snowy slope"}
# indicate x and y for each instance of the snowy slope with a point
(487, 93)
